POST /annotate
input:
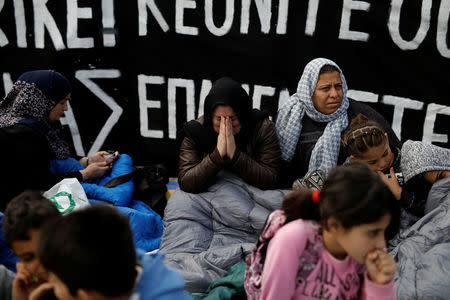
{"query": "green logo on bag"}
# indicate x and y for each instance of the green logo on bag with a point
(60, 208)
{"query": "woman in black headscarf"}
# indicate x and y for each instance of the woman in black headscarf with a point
(31, 137)
(231, 136)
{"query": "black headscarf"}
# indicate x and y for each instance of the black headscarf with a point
(30, 101)
(225, 91)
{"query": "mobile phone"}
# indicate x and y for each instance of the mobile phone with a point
(399, 177)
(111, 156)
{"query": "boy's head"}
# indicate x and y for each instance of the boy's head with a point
(89, 251)
(24, 218)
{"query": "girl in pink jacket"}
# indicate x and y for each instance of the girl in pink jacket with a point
(328, 244)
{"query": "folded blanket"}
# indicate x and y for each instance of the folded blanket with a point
(228, 287)
(205, 234)
(146, 224)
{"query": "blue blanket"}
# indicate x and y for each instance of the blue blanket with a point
(147, 225)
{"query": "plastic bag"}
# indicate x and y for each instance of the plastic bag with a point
(68, 195)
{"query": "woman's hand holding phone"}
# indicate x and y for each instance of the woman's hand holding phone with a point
(97, 157)
(111, 156)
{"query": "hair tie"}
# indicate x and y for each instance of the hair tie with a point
(316, 196)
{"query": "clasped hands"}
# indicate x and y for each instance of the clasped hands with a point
(225, 141)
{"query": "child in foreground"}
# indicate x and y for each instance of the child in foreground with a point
(25, 216)
(329, 244)
(89, 254)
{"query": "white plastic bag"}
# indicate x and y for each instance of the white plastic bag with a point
(68, 195)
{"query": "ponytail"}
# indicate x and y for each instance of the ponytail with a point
(352, 194)
(300, 205)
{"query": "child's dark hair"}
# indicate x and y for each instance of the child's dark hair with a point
(90, 249)
(352, 194)
(419, 189)
(29, 210)
(363, 134)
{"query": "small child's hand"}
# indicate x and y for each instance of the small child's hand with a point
(23, 284)
(42, 292)
(381, 266)
(392, 183)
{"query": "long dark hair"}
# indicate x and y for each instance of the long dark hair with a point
(352, 194)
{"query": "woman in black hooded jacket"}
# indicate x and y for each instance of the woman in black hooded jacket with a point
(229, 136)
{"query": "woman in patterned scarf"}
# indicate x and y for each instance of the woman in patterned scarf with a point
(31, 136)
(310, 124)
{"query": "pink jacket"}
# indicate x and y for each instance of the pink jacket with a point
(329, 279)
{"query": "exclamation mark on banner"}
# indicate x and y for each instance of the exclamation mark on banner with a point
(108, 21)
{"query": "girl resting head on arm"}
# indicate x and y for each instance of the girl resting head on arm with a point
(366, 141)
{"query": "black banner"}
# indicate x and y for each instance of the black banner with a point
(141, 68)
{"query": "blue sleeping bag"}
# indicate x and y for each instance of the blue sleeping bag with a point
(147, 225)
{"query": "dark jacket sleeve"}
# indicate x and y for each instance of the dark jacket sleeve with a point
(34, 156)
(26, 162)
(197, 171)
(261, 168)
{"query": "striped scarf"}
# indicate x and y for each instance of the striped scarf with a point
(289, 122)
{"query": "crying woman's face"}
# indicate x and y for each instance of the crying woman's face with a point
(227, 112)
